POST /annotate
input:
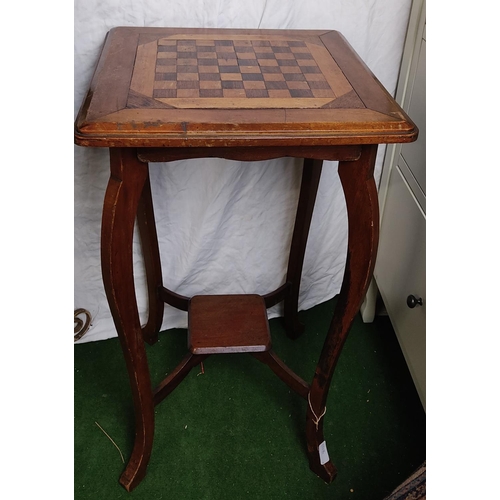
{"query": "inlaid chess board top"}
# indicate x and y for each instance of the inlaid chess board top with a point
(184, 87)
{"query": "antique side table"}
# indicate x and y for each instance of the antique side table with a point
(161, 94)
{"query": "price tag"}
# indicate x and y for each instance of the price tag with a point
(323, 453)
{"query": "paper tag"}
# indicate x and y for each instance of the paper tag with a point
(323, 453)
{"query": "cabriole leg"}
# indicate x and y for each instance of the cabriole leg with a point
(363, 218)
(149, 240)
(128, 176)
(308, 189)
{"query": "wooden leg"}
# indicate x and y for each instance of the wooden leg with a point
(121, 201)
(362, 208)
(292, 380)
(151, 252)
(177, 376)
(309, 186)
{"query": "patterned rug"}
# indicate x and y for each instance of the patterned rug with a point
(411, 489)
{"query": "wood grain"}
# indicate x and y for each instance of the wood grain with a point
(166, 87)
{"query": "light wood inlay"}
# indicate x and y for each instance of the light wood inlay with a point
(183, 87)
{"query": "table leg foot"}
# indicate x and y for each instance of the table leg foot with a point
(293, 328)
(327, 471)
(317, 452)
(134, 473)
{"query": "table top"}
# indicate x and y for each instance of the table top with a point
(173, 87)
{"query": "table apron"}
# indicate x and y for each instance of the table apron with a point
(333, 153)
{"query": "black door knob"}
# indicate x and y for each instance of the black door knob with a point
(413, 301)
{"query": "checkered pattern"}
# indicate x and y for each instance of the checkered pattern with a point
(237, 69)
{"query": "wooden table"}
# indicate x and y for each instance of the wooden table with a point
(160, 95)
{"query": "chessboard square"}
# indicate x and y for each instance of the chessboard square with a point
(222, 49)
(166, 76)
(280, 50)
(166, 55)
(285, 56)
(291, 69)
(296, 43)
(310, 69)
(301, 93)
(287, 62)
(165, 85)
(167, 48)
(231, 77)
(188, 84)
(319, 84)
(164, 93)
(166, 61)
(268, 62)
(263, 50)
(210, 84)
(265, 55)
(294, 77)
(238, 93)
(227, 62)
(208, 69)
(207, 62)
(246, 55)
(187, 69)
(187, 62)
(182, 54)
(253, 77)
(273, 77)
(298, 85)
(209, 77)
(229, 69)
(187, 76)
(211, 93)
(232, 84)
(204, 48)
(255, 93)
(207, 55)
(219, 43)
(255, 85)
(244, 49)
(247, 62)
(166, 69)
(299, 49)
(323, 93)
(279, 94)
(192, 93)
(270, 69)
(250, 69)
(277, 85)
(186, 42)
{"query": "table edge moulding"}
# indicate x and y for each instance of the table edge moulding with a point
(165, 94)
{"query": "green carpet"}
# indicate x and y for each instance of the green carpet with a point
(237, 432)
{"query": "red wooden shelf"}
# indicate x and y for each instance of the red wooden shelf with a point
(228, 324)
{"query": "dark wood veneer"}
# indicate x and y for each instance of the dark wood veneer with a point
(164, 94)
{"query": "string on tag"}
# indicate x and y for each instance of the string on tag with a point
(316, 419)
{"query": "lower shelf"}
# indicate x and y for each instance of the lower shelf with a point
(228, 324)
